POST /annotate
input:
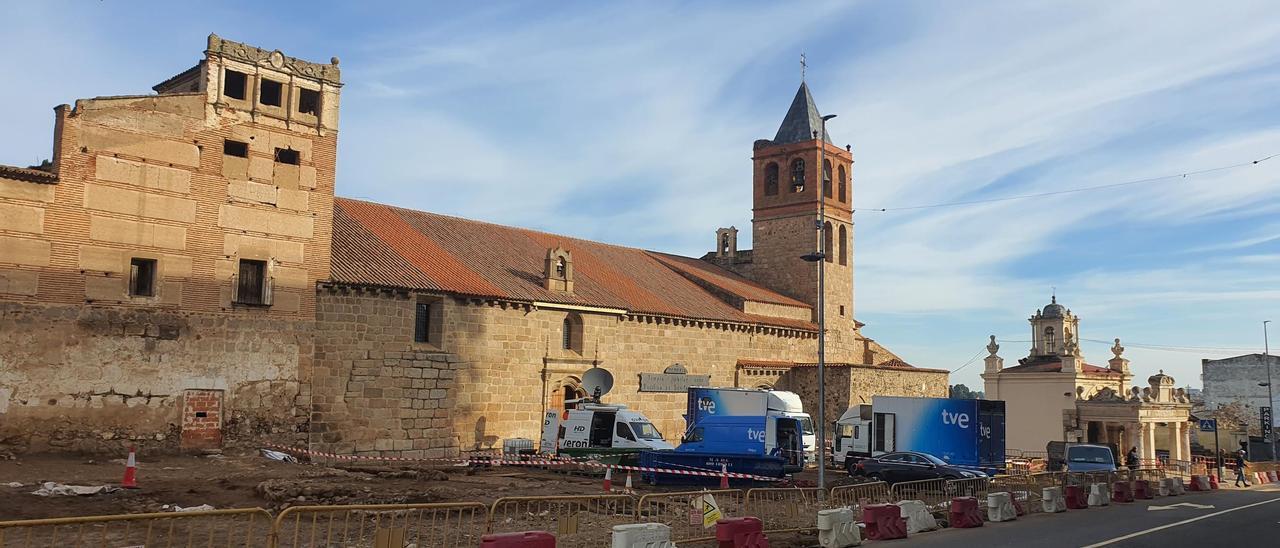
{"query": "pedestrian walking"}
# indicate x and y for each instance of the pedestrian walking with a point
(1132, 460)
(1240, 477)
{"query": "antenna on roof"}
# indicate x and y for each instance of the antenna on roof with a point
(597, 382)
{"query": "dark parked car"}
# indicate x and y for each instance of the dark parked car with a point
(909, 466)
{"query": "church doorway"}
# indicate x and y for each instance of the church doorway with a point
(566, 391)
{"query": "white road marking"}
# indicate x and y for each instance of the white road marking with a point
(1182, 504)
(1183, 522)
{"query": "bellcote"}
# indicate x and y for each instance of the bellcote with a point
(558, 270)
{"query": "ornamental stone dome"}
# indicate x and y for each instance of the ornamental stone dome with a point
(1053, 309)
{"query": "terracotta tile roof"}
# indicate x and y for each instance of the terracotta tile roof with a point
(770, 364)
(28, 174)
(375, 244)
(1054, 365)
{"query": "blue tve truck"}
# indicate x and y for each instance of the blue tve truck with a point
(745, 430)
(963, 432)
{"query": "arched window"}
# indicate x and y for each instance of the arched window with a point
(826, 241)
(724, 243)
(1050, 341)
(826, 178)
(771, 179)
(571, 333)
(797, 175)
(842, 186)
(844, 246)
(561, 268)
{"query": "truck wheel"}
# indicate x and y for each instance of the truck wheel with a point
(851, 467)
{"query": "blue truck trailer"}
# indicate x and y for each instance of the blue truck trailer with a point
(963, 432)
(744, 430)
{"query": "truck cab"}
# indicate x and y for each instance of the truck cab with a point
(788, 404)
(862, 433)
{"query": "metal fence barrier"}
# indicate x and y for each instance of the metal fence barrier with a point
(933, 492)
(682, 511)
(381, 525)
(588, 519)
(243, 527)
(785, 509)
(858, 495)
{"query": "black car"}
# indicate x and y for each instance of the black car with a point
(909, 466)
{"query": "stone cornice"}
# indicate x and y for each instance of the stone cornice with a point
(275, 60)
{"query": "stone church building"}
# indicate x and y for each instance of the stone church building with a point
(181, 275)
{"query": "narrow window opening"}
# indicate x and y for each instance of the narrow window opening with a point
(233, 84)
(270, 92)
(844, 246)
(841, 310)
(422, 323)
(826, 178)
(288, 156)
(797, 175)
(771, 179)
(251, 284)
(142, 277)
(235, 148)
(309, 101)
(826, 241)
(566, 341)
(571, 333)
(843, 186)
(562, 269)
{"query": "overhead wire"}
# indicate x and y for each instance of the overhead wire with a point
(1160, 347)
(1182, 175)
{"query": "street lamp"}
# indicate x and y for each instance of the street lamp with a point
(819, 257)
(1266, 360)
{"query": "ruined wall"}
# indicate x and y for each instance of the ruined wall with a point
(84, 378)
(152, 179)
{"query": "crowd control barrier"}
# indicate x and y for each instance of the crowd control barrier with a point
(785, 509)
(444, 524)
(240, 528)
(588, 518)
(684, 511)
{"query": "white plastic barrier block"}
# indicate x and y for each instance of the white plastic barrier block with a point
(918, 517)
(837, 528)
(1052, 501)
(1176, 487)
(1099, 494)
(642, 535)
(1000, 507)
(1165, 488)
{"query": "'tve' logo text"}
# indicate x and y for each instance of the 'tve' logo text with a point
(707, 404)
(958, 419)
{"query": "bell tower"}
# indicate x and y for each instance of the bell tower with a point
(796, 176)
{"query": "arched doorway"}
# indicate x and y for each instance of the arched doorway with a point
(565, 391)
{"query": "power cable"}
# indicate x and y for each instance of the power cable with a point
(1183, 175)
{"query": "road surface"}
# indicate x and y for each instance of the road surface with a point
(1245, 518)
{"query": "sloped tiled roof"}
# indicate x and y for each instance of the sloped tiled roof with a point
(1054, 365)
(375, 244)
(801, 121)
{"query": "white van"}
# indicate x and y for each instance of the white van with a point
(610, 432)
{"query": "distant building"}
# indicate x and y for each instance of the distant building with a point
(1054, 395)
(1237, 379)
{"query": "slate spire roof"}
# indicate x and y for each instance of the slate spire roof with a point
(802, 120)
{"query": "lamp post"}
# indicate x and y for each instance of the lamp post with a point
(819, 257)
(1266, 361)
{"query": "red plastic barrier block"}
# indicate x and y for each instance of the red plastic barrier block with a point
(884, 522)
(1121, 492)
(1142, 490)
(1213, 481)
(1077, 499)
(965, 513)
(744, 532)
(526, 539)
(1195, 483)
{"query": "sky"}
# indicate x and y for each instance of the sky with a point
(632, 123)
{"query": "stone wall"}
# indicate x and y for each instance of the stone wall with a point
(850, 385)
(376, 391)
(1236, 379)
(94, 379)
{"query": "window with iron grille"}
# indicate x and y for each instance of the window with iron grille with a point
(422, 323)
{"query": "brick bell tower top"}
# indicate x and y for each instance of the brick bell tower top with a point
(793, 175)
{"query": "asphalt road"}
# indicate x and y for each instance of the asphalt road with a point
(1244, 518)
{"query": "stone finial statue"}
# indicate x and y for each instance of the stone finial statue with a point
(1135, 394)
(992, 347)
(1079, 392)
(1146, 393)
(1069, 345)
(1180, 396)
(1117, 349)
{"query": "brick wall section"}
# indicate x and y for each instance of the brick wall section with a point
(201, 419)
(850, 385)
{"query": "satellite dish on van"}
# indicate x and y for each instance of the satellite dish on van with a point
(597, 382)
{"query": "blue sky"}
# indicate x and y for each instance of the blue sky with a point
(632, 123)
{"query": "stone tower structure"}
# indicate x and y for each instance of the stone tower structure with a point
(796, 175)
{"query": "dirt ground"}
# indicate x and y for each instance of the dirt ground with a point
(246, 479)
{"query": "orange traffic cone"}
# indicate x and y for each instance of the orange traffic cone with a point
(628, 489)
(130, 471)
(608, 480)
(724, 476)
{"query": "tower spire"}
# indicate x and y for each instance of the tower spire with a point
(803, 66)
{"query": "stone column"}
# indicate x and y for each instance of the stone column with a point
(1186, 439)
(1175, 441)
(1149, 441)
